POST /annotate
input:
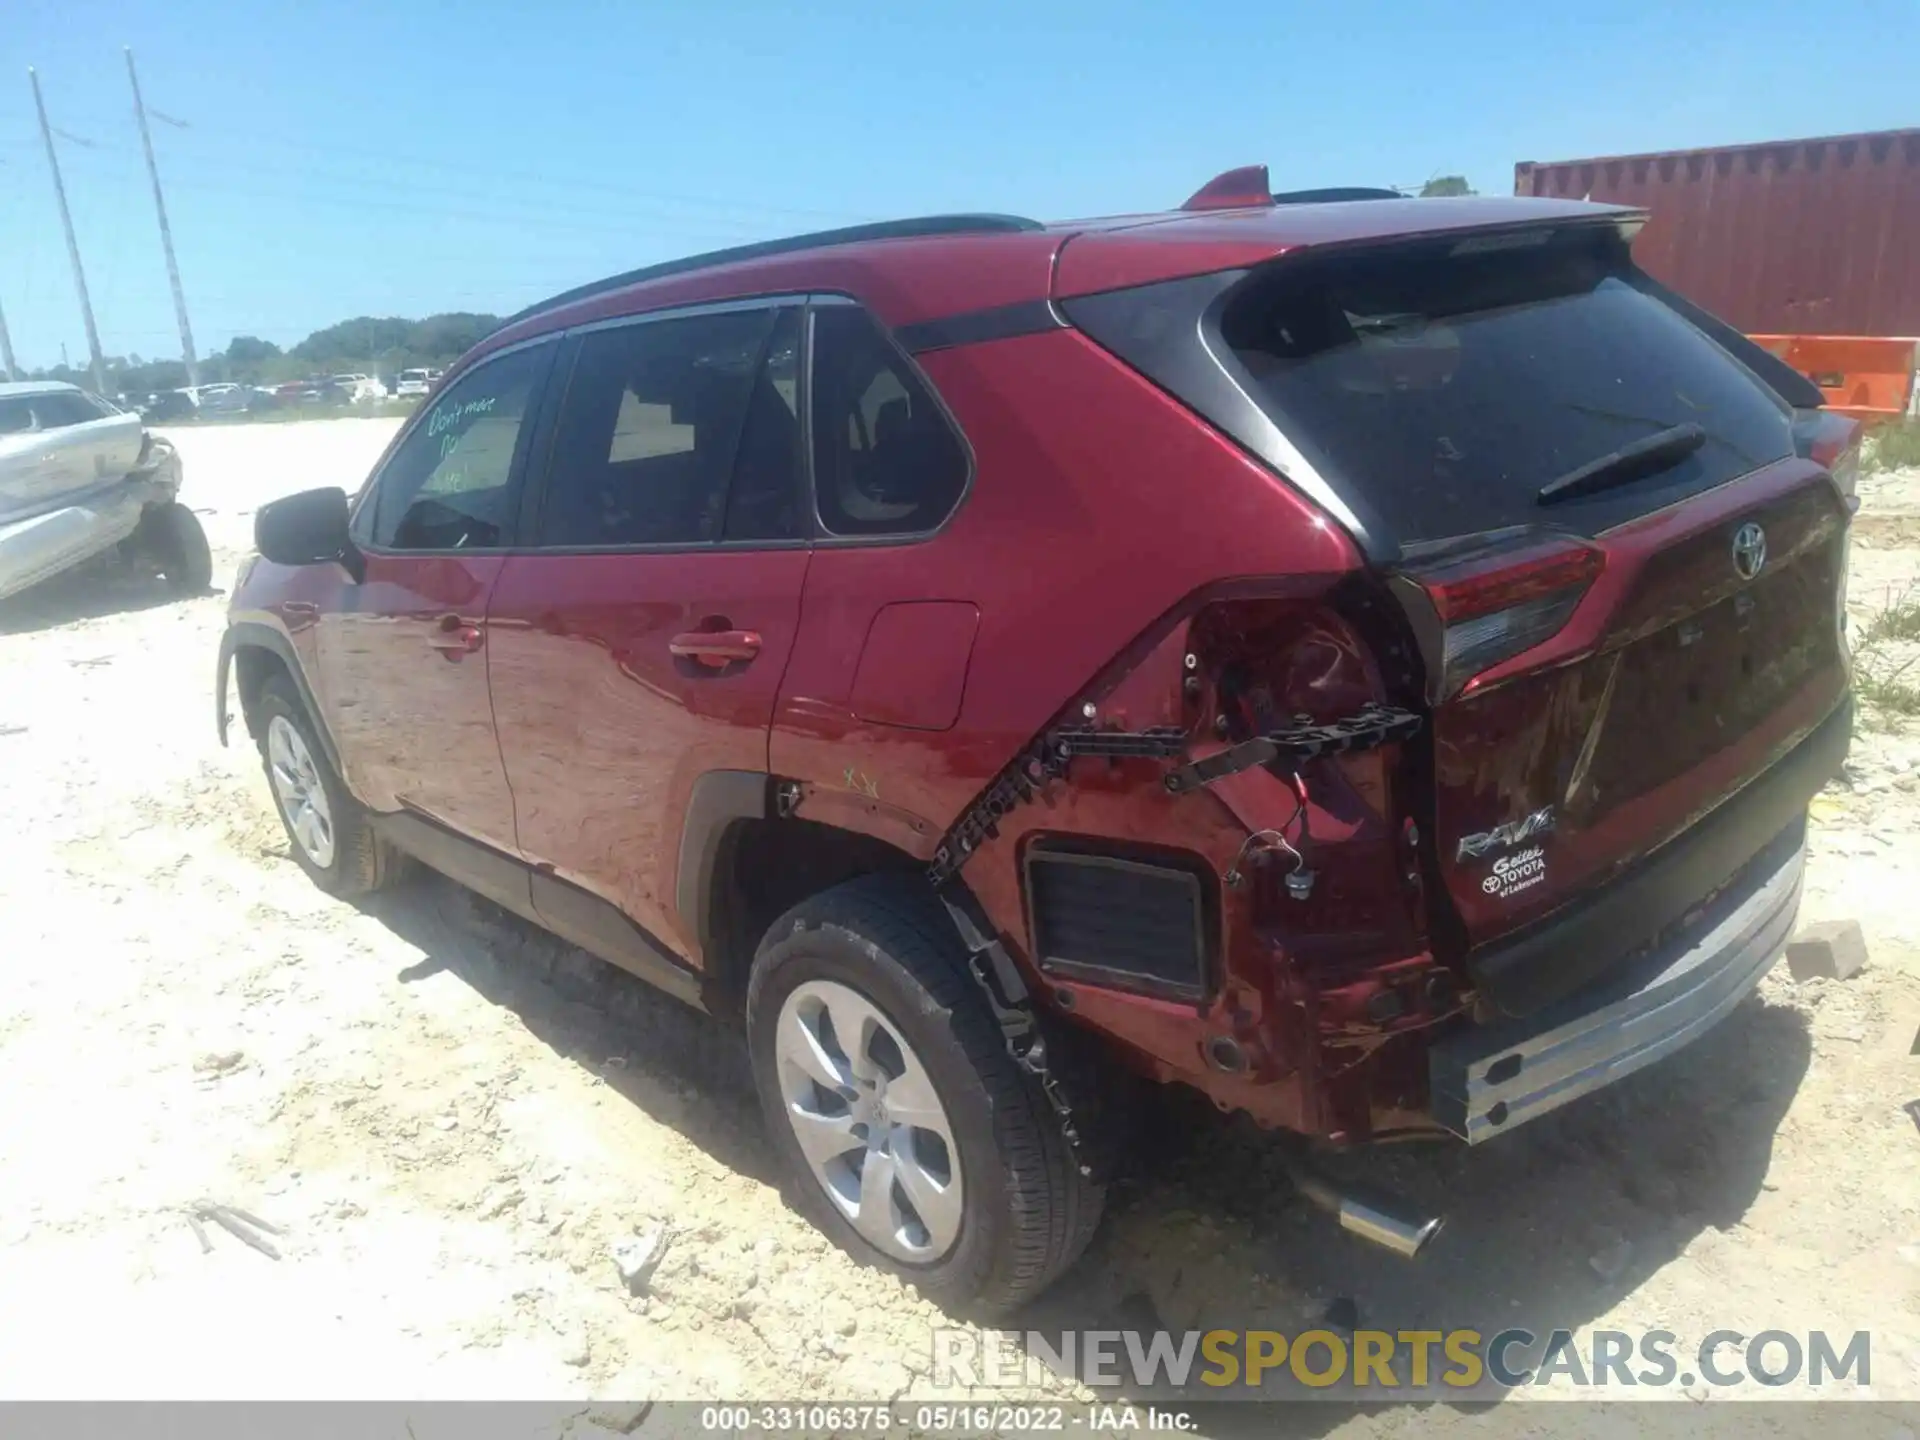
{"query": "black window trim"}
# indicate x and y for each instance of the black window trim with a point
(533, 454)
(798, 470)
(540, 482)
(517, 478)
(828, 539)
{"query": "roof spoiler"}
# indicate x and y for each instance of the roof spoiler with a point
(1249, 186)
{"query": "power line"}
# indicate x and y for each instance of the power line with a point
(729, 219)
(256, 139)
(539, 213)
(634, 210)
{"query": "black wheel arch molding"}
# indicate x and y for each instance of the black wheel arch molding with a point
(263, 634)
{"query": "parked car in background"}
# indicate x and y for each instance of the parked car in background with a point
(416, 382)
(356, 387)
(223, 398)
(1366, 661)
(165, 405)
(79, 477)
(315, 390)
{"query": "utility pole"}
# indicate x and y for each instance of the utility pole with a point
(7, 367)
(73, 245)
(166, 232)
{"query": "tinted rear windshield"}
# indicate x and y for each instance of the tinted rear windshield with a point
(1444, 383)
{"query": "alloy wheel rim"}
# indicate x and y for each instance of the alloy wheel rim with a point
(869, 1121)
(298, 792)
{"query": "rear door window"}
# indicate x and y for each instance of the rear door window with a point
(649, 431)
(1448, 382)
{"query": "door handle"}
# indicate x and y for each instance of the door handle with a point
(455, 638)
(716, 647)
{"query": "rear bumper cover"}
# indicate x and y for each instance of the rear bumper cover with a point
(1489, 1079)
(1582, 943)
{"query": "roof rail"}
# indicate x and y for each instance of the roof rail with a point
(1336, 192)
(1246, 188)
(919, 227)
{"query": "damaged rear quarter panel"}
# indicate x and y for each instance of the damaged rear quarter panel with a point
(1101, 510)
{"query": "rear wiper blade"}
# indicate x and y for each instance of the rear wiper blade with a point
(1644, 457)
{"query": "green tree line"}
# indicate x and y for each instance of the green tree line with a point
(366, 344)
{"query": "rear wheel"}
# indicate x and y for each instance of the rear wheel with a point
(178, 544)
(327, 830)
(912, 1138)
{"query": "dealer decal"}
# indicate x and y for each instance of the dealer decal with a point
(1514, 873)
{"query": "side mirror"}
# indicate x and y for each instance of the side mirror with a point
(309, 528)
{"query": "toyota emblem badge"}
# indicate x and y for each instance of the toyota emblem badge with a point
(1749, 550)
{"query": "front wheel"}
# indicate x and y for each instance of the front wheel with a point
(327, 830)
(912, 1138)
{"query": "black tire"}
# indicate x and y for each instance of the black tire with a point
(1028, 1209)
(361, 862)
(178, 544)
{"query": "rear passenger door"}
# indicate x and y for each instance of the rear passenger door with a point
(639, 636)
(891, 612)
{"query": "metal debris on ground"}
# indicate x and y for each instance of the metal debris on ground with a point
(236, 1222)
(638, 1256)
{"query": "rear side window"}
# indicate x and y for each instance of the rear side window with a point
(62, 408)
(650, 430)
(1445, 383)
(885, 459)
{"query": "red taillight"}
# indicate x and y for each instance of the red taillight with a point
(1493, 605)
(1832, 442)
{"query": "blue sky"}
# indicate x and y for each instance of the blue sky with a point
(347, 157)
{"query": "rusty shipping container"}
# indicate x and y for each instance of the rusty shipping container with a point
(1794, 237)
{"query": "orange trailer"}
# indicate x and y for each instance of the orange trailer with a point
(1862, 377)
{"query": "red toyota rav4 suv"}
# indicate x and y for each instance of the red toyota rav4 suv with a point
(1364, 659)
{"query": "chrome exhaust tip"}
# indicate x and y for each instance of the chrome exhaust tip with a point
(1381, 1219)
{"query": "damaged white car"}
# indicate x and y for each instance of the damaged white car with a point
(80, 477)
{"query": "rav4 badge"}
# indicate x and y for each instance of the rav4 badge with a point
(1502, 837)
